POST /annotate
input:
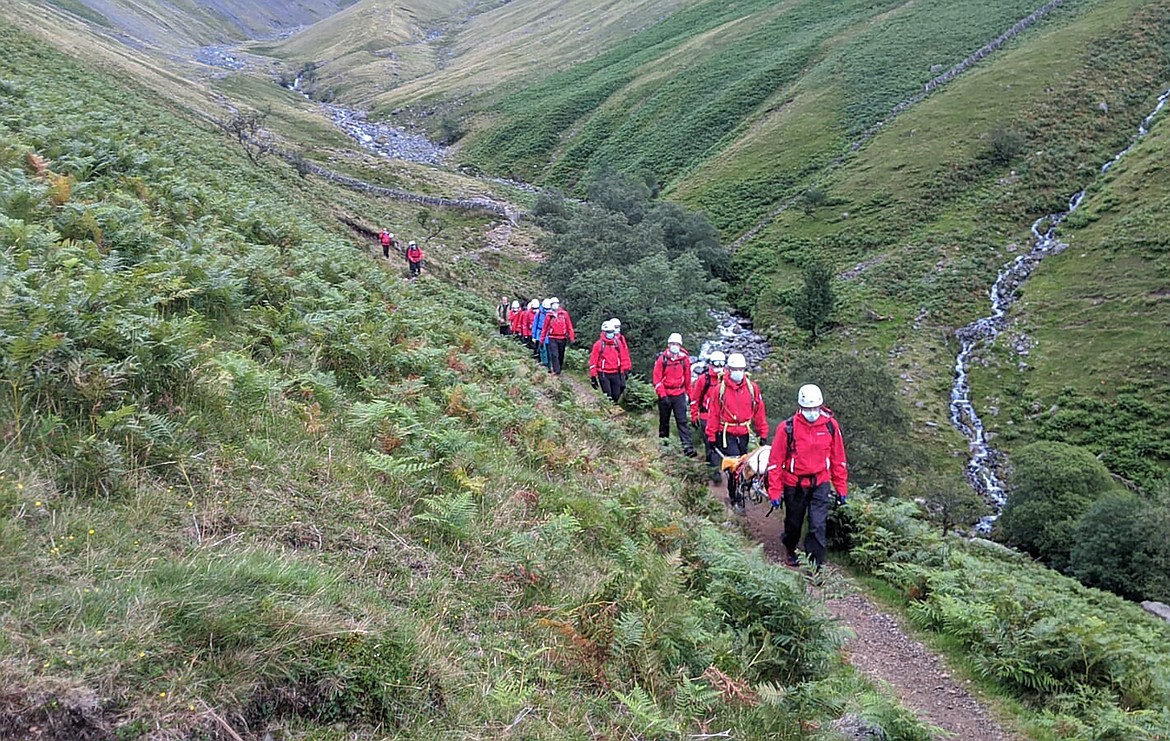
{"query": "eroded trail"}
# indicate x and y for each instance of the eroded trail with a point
(882, 650)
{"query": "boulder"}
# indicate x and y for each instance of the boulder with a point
(856, 728)
(1160, 609)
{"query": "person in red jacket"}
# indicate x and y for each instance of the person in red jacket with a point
(414, 257)
(605, 362)
(672, 383)
(387, 240)
(735, 405)
(558, 332)
(808, 455)
(523, 328)
(701, 390)
(627, 366)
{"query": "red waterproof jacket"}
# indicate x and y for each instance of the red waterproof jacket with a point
(414, 254)
(819, 451)
(672, 374)
(733, 406)
(558, 326)
(385, 239)
(516, 320)
(526, 318)
(625, 350)
(701, 391)
(606, 357)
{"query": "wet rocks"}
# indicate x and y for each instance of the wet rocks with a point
(382, 139)
(219, 56)
(735, 335)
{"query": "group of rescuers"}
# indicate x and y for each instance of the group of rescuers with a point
(806, 468)
(412, 252)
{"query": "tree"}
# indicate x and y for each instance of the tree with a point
(1051, 487)
(950, 502)
(1122, 543)
(815, 304)
(247, 127)
(864, 399)
(431, 225)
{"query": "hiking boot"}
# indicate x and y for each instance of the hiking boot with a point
(739, 509)
(690, 454)
(792, 560)
(716, 476)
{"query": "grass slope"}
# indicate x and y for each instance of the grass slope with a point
(920, 219)
(251, 479)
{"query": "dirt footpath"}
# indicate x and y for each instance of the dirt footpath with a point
(883, 651)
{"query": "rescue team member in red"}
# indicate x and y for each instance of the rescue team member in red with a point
(414, 256)
(558, 332)
(807, 456)
(627, 366)
(735, 404)
(387, 240)
(701, 391)
(605, 362)
(672, 383)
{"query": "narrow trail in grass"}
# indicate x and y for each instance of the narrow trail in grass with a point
(882, 650)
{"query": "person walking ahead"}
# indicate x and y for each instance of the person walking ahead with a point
(387, 240)
(701, 391)
(558, 331)
(605, 362)
(504, 314)
(733, 406)
(808, 455)
(627, 366)
(672, 383)
(414, 256)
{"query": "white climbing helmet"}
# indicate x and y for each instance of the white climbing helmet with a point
(674, 339)
(736, 361)
(412, 244)
(546, 304)
(534, 304)
(617, 324)
(717, 358)
(607, 326)
(810, 396)
(515, 306)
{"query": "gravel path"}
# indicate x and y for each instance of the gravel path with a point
(883, 651)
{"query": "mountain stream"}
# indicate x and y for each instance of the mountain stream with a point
(983, 464)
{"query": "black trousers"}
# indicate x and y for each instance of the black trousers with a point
(415, 267)
(556, 355)
(816, 501)
(676, 405)
(731, 446)
(611, 385)
(505, 330)
(712, 454)
(386, 251)
(621, 383)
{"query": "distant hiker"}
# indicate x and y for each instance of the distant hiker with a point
(522, 329)
(414, 257)
(733, 406)
(672, 383)
(808, 455)
(701, 390)
(605, 362)
(558, 330)
(504, 312)
(387, 240)
(625, 349)
(539, 346)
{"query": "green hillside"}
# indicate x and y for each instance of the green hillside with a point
(253, 482)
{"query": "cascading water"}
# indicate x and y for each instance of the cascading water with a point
(734, 335)
(981, 468)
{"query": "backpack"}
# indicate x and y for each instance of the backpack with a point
(753, 391)
(790, 452)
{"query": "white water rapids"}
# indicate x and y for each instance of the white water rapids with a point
(981, 468)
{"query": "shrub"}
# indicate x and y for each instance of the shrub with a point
(1003, 146)
(1051, 487)
(1123, 545)
(815, 304)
